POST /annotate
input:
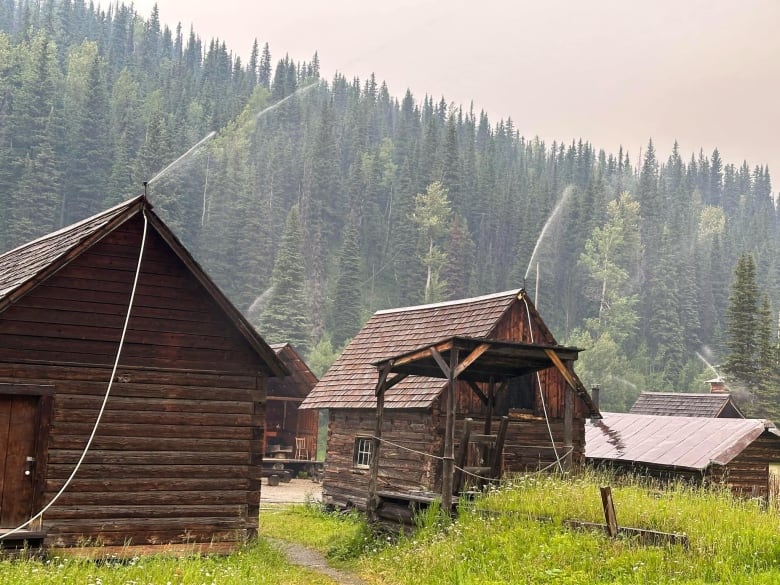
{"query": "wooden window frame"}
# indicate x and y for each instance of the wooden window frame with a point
(363, 452)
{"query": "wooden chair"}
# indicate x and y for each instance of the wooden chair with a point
(301, 450)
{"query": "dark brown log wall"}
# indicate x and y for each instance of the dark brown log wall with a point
(77, 315)
(176, 457)
(399, 469)
(748, 472)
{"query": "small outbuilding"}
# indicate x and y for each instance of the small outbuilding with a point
(132, 392)
(429, 399)
(743, 453)
(291, 433)
(686, 404)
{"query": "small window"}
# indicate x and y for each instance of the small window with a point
(364, 449)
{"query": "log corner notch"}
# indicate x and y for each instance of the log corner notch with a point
(485, 360)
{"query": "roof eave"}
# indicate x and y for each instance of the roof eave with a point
(74, 252)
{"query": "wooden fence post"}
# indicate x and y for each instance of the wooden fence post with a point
(609, 511)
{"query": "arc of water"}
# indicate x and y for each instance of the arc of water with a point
(272, 107)
(208, 136)
(555, 212)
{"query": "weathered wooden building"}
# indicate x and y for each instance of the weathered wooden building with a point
(291, 433)
(176, 458)
(710, 405)
(393, 425)
(744, 453)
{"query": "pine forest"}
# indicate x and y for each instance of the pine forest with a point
(314, 202)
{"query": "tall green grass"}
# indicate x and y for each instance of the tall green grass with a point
(256, 563)
(516, 535)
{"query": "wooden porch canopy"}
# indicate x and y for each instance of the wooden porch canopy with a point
(472, 360)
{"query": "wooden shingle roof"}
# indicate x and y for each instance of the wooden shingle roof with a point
(712, 405)
(29, 263)
(670, 441)
(25, 267)
(351, 380)
(301, 379)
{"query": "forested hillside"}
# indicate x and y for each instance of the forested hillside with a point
(315, 202)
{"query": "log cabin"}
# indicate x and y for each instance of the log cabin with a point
(132, 392)
(741, 453)
(291, 433)
(714, 404)
(430, 399)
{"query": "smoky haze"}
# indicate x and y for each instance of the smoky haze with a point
(614, 73)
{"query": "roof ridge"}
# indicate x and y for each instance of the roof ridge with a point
(449, 303)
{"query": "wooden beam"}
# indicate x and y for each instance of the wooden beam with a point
(568, 426)
(440, 360)
(463, 452)
(373, 503)
(423, 353)
(471, 358)
(448, 461)
(383, 373)
(481, 395)
(561, 368)
(609, 511)
(394, 380)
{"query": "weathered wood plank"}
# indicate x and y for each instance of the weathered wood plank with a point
(131, 458)
(131, 405)
(148, 471)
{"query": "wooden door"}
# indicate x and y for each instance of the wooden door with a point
(18, 422)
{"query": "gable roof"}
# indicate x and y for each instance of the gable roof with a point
(25, 267)
(350, 381)
(709, 404)
(301, 379)
(670, 441)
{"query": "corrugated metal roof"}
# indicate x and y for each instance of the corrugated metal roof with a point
(351, 380)
(671, 441)
(682, 404)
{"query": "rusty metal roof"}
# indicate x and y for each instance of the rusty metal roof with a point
(350, 381)
(707, 404)
(670, 441)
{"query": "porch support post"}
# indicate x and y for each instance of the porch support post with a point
(568, 426)
(448, 463)
(373, 500)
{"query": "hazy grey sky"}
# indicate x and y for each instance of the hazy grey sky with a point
(613, 72)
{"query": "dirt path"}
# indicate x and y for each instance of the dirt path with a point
(311, 559)
(298, 491)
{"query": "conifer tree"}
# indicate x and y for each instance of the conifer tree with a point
(285, 319)
(346, 301)
(766, 402)
(742, 314)
(432, 214)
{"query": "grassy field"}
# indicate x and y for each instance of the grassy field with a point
(500, 539)
(257, 563)
(512, 535)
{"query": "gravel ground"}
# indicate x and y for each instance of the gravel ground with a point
(293, 492)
